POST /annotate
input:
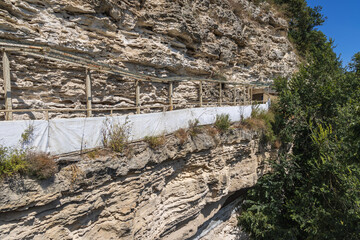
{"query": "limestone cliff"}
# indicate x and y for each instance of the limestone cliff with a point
(206, 38)
(167, 193)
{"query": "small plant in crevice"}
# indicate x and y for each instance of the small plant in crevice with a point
(115, 136)
(93, 154)
(194, 128)
(182, 135)
(76, 173)
(222, 122)
(155, 141)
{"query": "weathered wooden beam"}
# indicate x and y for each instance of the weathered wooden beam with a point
(220, 94)
(137, 97)
(244, 96)
(251, 95)
(201, 94)
(7, 86)
(264, 95)
(46, 113)
(234, 95)
(171, 96)
(88, 93)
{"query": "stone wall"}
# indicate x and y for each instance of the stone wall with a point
(167, 193)
(232, 39)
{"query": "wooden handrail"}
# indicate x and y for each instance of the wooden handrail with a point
(64, 57)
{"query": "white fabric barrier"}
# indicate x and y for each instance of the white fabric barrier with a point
(11, 134)
(60, 136)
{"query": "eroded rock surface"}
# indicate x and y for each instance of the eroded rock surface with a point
(151, 194)
(232, 39)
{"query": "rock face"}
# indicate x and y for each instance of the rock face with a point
(167, 193)
(232, 39)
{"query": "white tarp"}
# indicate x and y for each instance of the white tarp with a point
(11, 134)
(60, 136)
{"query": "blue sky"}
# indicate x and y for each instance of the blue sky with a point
(342, 25)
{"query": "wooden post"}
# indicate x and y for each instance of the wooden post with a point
(7, 86)
(234, 95)
(46, 113)
(88, 93)
(264, 96)
(220, 94)
(251, 95)
(171, 95)
(244, 96)
(201, 94)
(137, 97)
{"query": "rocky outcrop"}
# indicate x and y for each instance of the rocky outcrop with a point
(232, 39)
(167, 193)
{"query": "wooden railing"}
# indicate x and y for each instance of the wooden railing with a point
(75, 60)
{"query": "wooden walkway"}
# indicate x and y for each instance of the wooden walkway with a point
(44, 52)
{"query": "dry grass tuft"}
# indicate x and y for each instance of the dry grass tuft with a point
(253, 124)
(211, 131)
(155, 141)
(182, 135)
(277, 144)
(115, 137)
(41, 165)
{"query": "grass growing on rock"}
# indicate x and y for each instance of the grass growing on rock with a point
(222, 122)
(182, 135)
(194, 128)
(115, 136)
(155, 141)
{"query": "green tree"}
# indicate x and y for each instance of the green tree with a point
(354, 66)
(312, 193)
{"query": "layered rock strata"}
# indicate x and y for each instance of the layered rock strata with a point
(232, 39)
(167, 193)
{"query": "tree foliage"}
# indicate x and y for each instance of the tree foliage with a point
(312, 193)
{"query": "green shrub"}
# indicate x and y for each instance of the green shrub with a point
(26, 162)
(12, 161)
(222, 122)
(155, 141)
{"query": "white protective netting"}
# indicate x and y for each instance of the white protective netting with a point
(59, 136)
